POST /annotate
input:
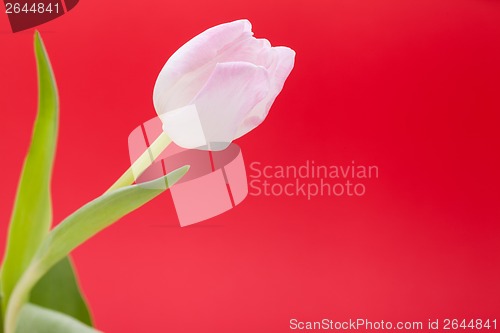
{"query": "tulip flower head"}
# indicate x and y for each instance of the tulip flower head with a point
(219, 86)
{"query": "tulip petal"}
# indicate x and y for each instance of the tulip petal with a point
(220, 85)
(231, 92)
(284, 59)
(188, 69)
(257, 51)
(184, 125)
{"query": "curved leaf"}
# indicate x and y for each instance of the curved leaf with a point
(32, 215)
(36, 319)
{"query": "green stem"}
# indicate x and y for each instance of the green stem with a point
(142, 163)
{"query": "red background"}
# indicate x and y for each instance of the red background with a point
(410, 86)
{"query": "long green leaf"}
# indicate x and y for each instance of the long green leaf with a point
(79, 227)
(32, 215)
(58, 290)
(36, 319)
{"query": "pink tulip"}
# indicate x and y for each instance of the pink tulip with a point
(220, 85)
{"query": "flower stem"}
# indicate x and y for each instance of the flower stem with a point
(142, 163)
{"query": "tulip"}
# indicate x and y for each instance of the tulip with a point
(219, 86)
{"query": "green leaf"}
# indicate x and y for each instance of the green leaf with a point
(99, 214)
(79, 227)
(36, 319)
(32, 215)
(58, 290)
